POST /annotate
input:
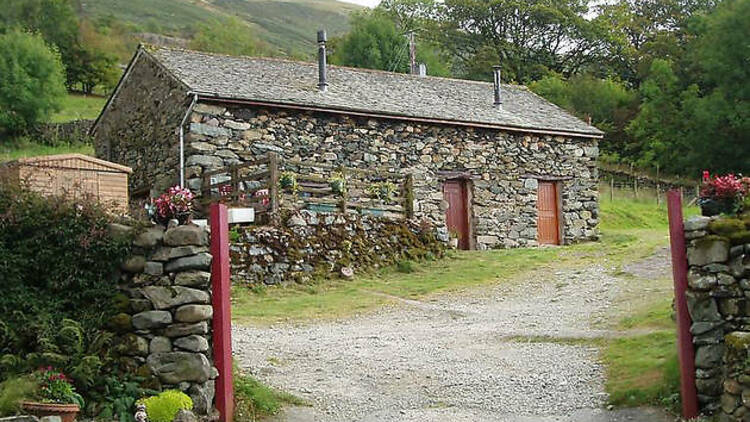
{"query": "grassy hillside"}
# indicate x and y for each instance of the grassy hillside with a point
(286, 25)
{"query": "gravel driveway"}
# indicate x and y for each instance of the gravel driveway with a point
(480, 356)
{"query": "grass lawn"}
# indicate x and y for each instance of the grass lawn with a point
(255, 400)
(23, 148)
(79, 106)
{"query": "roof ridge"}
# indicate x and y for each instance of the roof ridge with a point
(151, 47)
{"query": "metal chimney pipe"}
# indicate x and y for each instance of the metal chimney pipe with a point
(496, 72)
(322, 80)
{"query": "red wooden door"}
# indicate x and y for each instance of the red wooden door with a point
(548, 223)
(457, 214)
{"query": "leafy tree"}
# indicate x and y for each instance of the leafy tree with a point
(32, 82)
(375, 42)
(231, 36)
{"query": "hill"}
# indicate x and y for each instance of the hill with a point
(288, 26)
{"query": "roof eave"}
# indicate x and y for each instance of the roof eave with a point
(214, 97)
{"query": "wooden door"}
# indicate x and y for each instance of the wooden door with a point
(548, 219)
(457, 214)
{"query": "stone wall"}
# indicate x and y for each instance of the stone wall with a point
(165, 326)
(142, 133)
(505, 166)
(53, 133)
(718, 301)
(310, 244)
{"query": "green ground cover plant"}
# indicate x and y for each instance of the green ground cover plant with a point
(255, 400)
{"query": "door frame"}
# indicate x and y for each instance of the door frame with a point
(558, 184)
(465, 181)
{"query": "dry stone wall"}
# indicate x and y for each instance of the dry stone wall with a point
(718, 301)
(165, 325)
(307, 244)
(505, 167)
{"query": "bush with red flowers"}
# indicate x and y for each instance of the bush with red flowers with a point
(176, 203)
(723, 194)
(55, 387)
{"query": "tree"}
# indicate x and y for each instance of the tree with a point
(375, 42)
(32, 83)
(231, 36)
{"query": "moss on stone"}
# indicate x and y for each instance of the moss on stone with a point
(726, 226)
(738, 340)
(740, 238)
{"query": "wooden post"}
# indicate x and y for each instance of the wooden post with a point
(222, 306)
(686, 354)
(273, 186)
(345, 191)
(612, 188)
(409, 195)
(658, 187)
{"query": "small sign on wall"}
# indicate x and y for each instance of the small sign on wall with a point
(241, 215)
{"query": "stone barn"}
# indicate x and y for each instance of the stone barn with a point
(494, 163)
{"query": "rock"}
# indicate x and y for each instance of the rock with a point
(134, 264)
(193, 278)
(151, 319)
(209, 109)
(531, 183)
(131, 344)
(149, 238)
(296, 220)
(121, 323)
(252, 135)
(732, 387)
(165, 297)
(192, 343)
(729, 403)
(698, 281)
(205, 161)
(203, 397)
(697, 223)
(702, 308)
(208, 130)
(347, 272)
(181, 251)
(185, 329)
(186, 235)
(176, 367)
(117, 231)
(708, 250)
(201, 261)
(20, 418)
(160, 344)
(201, 147)
(140, 305)
(185, 415)
(51, 418)
(709, 356)
(153, 268)
(709, 386)
(194, 313)
(231, 124)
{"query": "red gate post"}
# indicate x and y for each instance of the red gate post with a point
(685, 350)
(222, 321)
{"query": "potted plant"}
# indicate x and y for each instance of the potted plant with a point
(288, 181)
(57, 394)
(383, 191)
(176, 203)
(722, 194)
(337, 182)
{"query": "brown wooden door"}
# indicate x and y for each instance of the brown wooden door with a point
(457, 214)
(548, 220)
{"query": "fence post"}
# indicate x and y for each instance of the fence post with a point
(273, 188)
(222, 320)
(611, 188)
(658, 187)
(685, 350)
(409, 195)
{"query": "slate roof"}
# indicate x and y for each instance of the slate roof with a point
(366, 91)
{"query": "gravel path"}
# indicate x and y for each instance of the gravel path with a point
(473, 357)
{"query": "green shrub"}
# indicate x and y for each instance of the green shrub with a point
(13, 391)
(726, 226)
(406, 266)
(164, 407)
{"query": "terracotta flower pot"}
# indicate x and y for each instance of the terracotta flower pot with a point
(66, 412)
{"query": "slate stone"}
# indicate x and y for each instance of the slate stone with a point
(208, 130)
(185, 235)
(134, 264)
(117, 231)
(153, 268)
(192, 343)
(185, 415)
(708, 250)
(702, 308)
(134, 345)
(697, 222)
(193, 278)
(177, 367)
(160, 344)
(165, 297)
(709, 356)
(201, 261)
(151, 319)
(149, 238)
(185, 329)
(203, 397)
(194, 313)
